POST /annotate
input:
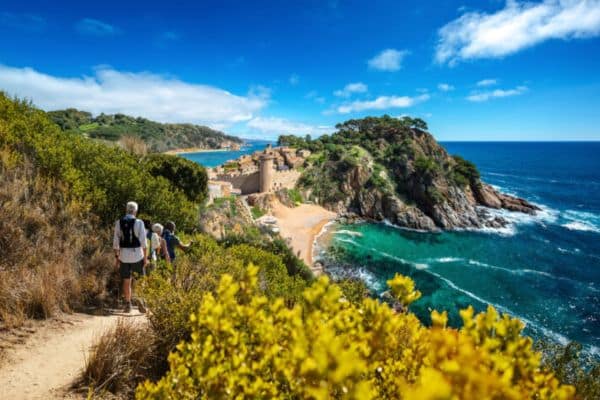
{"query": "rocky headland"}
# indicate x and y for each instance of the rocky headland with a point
(393, 169)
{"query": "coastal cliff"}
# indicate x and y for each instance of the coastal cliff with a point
(393, 169)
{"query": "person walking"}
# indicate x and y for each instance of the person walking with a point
(173, 241)
(158, 245)
(129, 244)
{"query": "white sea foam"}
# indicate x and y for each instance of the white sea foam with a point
(350, 241)
(580, 226)
(581, 221)
(349, 233)
(447, 259)
(542, 216)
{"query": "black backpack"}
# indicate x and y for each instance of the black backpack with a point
(128, 238)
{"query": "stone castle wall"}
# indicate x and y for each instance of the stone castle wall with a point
(285, 179)
(250, 183)
(247, 183)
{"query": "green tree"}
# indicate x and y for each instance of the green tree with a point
(186, 175)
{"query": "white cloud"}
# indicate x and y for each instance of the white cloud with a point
(487, 82)
(294, 79)
(274, 126)
(382, 103)
(444, 87)
(517, 26)
(485, 96)
(156, 97)
(388, 60)
(349, 89)
(94, 27)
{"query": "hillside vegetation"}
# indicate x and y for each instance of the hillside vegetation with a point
(240, 318)
(390, 168)
(59, 195)
(158, 137)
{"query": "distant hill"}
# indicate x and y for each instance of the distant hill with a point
(157, 136)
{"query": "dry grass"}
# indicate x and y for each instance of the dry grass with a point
(121, 358)
(51, 258)
(134, 144)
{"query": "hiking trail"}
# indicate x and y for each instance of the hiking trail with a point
(43, 359)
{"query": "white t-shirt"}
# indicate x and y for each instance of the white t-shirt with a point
(131, 255)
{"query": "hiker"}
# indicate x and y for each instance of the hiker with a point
(173, 241)
(158, 245)
(129, 243)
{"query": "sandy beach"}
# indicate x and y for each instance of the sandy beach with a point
(301, 225)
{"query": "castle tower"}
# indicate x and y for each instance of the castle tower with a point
(266, 173)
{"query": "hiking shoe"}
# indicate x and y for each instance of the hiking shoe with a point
(127, 308)
(140, 305)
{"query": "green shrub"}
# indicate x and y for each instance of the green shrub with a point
(173, 294)
(257, 212)
(186, 175)
(295, 196)
(426, 167)
(354, 289)
(253, 237)
(464, 172)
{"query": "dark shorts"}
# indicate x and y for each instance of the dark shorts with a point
(127, 269)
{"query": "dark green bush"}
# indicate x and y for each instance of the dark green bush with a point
(186, 175)
(464, 172)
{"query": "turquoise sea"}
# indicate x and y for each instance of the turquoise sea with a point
(215, 158)
(543, 269)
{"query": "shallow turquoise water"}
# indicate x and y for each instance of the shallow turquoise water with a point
(214, 158)
(544, 269)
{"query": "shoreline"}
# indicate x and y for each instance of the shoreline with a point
(302, 225)
(190, 150)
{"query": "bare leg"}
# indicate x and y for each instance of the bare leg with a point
(127, 290)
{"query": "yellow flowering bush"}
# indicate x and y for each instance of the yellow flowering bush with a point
(403, 290)
(245, 345)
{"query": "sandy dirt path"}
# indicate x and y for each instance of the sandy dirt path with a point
(300, 225)
(51, 358)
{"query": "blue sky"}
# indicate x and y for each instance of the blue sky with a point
(474, 70)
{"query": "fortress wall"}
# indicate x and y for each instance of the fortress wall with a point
(250, 183)
(285, 179)
(247, 183)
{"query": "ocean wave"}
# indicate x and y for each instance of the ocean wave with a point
(580, 226)
(349, 233)
(581, 221)
(545, 215)
(531, 272)
(444, 260)
(349, 241)
(362, 273)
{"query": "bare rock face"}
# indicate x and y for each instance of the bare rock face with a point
(490, 197)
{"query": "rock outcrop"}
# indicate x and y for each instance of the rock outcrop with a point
(381, 169)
